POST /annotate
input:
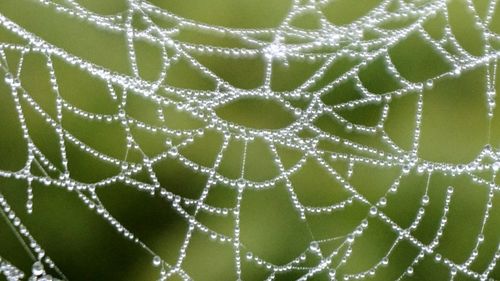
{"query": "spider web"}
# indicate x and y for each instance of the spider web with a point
(320, 131)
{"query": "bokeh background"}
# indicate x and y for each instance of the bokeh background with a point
(85, 247)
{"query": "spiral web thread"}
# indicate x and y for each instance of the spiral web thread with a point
(339, 42)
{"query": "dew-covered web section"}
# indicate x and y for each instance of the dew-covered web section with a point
(360, 45)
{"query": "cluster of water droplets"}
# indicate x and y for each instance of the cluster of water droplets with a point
(328, 44)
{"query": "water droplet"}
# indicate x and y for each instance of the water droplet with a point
(406, 169)
(480, 238)
(314, 247)
(249, 256)
(241, 183)
(496, 166)
(438, 258)
(173, 152)
(425, 200)
(156, 261)
(382, 202)
(37, 268)
(350, 238)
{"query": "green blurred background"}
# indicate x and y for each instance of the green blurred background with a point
(85, 247)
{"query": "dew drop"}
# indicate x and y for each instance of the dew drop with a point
(314, 247)
(425, 200)
(496, 166)
(156, 261)
(438, 258)
(37, 268)
(173, 152)
(429, 84)
(249, 256)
